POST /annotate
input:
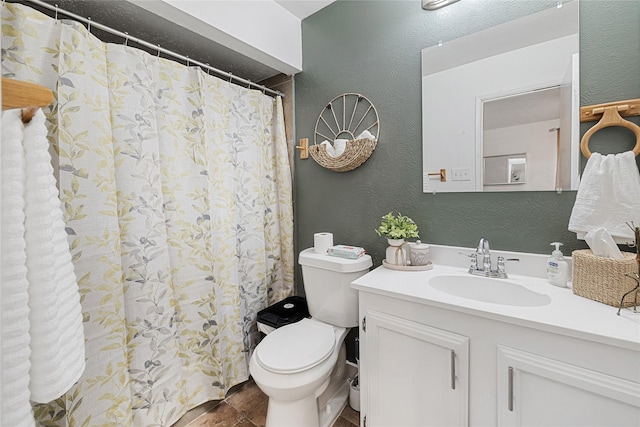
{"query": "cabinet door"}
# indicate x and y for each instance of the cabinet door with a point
(537, 391)
(412, 374)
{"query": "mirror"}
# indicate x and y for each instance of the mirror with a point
(500, 107)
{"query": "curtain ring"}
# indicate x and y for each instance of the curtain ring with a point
(208, 68)
(187, 60)
(230, 77)
(126, 39)
(56, 15)
(158, 50)
(89, 24)
(248, 84)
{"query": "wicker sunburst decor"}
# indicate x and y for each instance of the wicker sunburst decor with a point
(346, 115)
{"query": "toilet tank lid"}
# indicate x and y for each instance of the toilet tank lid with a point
(308, 257)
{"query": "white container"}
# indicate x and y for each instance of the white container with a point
(557, 267)
(396, 253)
(418, 253)
(354, 394)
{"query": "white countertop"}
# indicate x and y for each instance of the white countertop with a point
(567, 314)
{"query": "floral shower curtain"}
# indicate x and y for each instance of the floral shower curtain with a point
(176, 192)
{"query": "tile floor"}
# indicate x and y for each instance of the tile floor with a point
(245, 406)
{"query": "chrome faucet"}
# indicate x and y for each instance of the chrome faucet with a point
(483, 254)
(483, 250)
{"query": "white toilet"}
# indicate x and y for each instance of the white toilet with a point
(301, 367)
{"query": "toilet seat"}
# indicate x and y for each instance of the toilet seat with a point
(297, 347)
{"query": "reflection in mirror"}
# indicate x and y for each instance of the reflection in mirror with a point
(504, 93)
(505, 170)
(528, 124)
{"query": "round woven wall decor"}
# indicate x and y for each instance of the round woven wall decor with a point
(345, 117)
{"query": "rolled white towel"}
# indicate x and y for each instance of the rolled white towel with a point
(339, 145)
(366, 134)
(329, 148)
(337, 148)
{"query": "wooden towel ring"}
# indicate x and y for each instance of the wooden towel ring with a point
(610, 117)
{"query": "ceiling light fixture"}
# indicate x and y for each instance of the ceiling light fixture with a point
(436, 4)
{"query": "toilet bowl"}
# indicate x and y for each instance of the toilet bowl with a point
(295, 376)
(301, 367)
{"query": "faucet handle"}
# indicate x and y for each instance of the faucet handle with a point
(500, 269)
(474, 260)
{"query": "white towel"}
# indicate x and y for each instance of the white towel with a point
(337, 148)
(16, 408)
(608, 196)
(339, 145)
(331, 152)
(366, 134)
(57, 336)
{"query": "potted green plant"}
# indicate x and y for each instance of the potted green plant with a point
(397, 228)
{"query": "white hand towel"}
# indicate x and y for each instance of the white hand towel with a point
(339, 146)
(329, 148)
(16, 408)
(335, 149)
(57, 336)
(366, 134)
(608, 196)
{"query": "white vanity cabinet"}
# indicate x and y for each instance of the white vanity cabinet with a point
(538, 391)
(429, 363)
(410, 370)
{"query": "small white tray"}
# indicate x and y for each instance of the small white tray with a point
(429, 266)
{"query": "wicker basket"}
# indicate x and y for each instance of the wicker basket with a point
(603, 279)
(355, 153)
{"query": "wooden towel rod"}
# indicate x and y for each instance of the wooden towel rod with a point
(610, 114)
(28, 96)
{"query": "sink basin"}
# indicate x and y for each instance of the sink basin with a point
(485, 289)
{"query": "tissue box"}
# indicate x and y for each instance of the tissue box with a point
(603, 279)
(344, 251)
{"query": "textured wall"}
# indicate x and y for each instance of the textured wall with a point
(373, 47)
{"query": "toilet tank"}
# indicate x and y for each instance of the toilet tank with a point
(327, 286)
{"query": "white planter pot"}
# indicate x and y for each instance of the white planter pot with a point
(396, 252)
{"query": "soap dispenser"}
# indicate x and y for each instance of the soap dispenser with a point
(557, 267)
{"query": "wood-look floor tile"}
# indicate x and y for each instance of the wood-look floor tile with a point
(245, 422)
(247, 398)
(222, 415)
(258, 414)
(343, 422)
(194, 413)
(350, 415)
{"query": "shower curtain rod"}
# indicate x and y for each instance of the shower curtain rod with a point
(157, 48)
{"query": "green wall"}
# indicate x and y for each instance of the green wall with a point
(373, 48)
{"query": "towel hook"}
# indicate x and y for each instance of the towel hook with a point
(610, 117)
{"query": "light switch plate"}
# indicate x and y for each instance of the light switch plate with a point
(460, 174)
